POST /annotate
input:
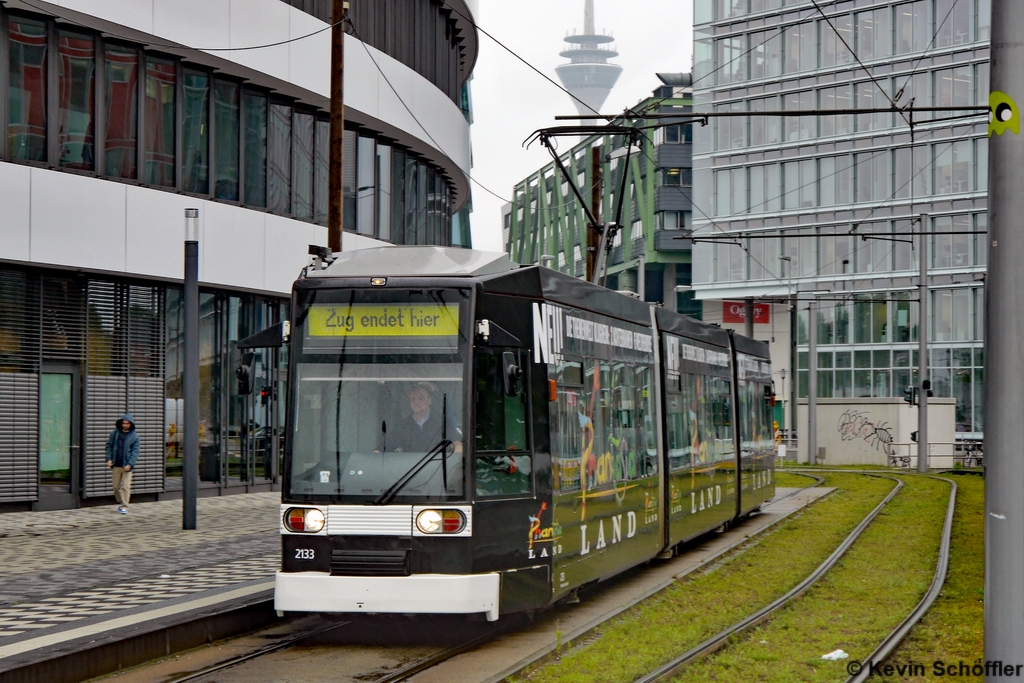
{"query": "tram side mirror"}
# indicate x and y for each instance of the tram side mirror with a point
(511, 373)
(243, 374)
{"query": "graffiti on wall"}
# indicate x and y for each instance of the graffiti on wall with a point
(857, 425)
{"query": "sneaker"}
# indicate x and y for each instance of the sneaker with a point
(122, 509)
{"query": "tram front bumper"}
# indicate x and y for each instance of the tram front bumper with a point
(415, 594)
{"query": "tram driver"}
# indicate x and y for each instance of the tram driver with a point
(421, 429)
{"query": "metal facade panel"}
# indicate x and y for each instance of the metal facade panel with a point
(369, 520)
(125, 373)
(19, 385)
(19, 436)
(105, 402)
(146, 404)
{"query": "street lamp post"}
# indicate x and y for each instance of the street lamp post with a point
(190, 380)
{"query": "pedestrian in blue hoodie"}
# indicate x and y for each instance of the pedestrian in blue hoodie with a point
(122, 453)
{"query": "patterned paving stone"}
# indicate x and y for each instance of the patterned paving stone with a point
(61, 567)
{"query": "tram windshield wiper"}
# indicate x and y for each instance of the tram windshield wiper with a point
(401, 482)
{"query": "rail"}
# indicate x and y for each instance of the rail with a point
(897, 635)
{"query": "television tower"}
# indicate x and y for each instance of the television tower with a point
(588, 75)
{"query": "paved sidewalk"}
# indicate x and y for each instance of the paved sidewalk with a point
(64, 569)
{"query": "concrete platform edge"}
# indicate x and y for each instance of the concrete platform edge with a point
(91, 657)
(570, 640)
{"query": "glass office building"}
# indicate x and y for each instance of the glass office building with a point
(804, 190)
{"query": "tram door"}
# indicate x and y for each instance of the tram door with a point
(508, 519)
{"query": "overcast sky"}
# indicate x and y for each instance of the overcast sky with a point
(510, 100)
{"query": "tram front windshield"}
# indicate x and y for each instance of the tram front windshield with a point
(378, 396)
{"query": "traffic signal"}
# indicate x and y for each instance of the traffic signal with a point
(927, 386)
(913, 436)
(909, 395)
(264, 395)
(243, 374)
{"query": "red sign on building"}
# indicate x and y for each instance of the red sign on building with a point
(734, 312)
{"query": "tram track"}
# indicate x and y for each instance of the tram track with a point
(403, 673)
(887, 645)
(896, 636)
(667, 670)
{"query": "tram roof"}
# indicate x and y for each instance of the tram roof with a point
(417, 261)
(691, 328)
(751, 347)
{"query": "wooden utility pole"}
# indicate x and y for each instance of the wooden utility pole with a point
(335, 182)
(594, 231)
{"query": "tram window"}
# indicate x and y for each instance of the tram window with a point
(648, 443)
(678, 443)
(569, 425)
(622, 438)
(722, 418)
(503, 464)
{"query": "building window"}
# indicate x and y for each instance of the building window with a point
(26, 104)
(729, 58)
(195, 132)
(834, 43)
(302, 166)
(955, 19)
(120, 155)
(158, 121)
(913, 26)
(321, 179)
(800, 47)
(838, 97)
(279, 154)
(226, 128)
(366, 191)
(384, 185)
(765, 54)
(874, 33)
(256, 120)
(76, 86)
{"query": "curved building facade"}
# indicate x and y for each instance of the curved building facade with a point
(119, 115)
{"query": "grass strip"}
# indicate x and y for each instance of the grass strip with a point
(685, 614)
(790, 480)
(953, 630)
(876, 584)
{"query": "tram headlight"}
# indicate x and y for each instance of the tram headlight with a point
(440, 521)
(314, 520)
(306, 520)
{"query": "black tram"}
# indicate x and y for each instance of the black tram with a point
(467, 436)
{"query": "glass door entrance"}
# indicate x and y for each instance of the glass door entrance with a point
(58, 442)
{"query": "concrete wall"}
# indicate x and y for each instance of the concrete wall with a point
(70, 220)
(865, 431)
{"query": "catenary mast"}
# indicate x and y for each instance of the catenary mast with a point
(1004, 348)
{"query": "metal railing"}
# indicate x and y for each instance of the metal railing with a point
(964, 453)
